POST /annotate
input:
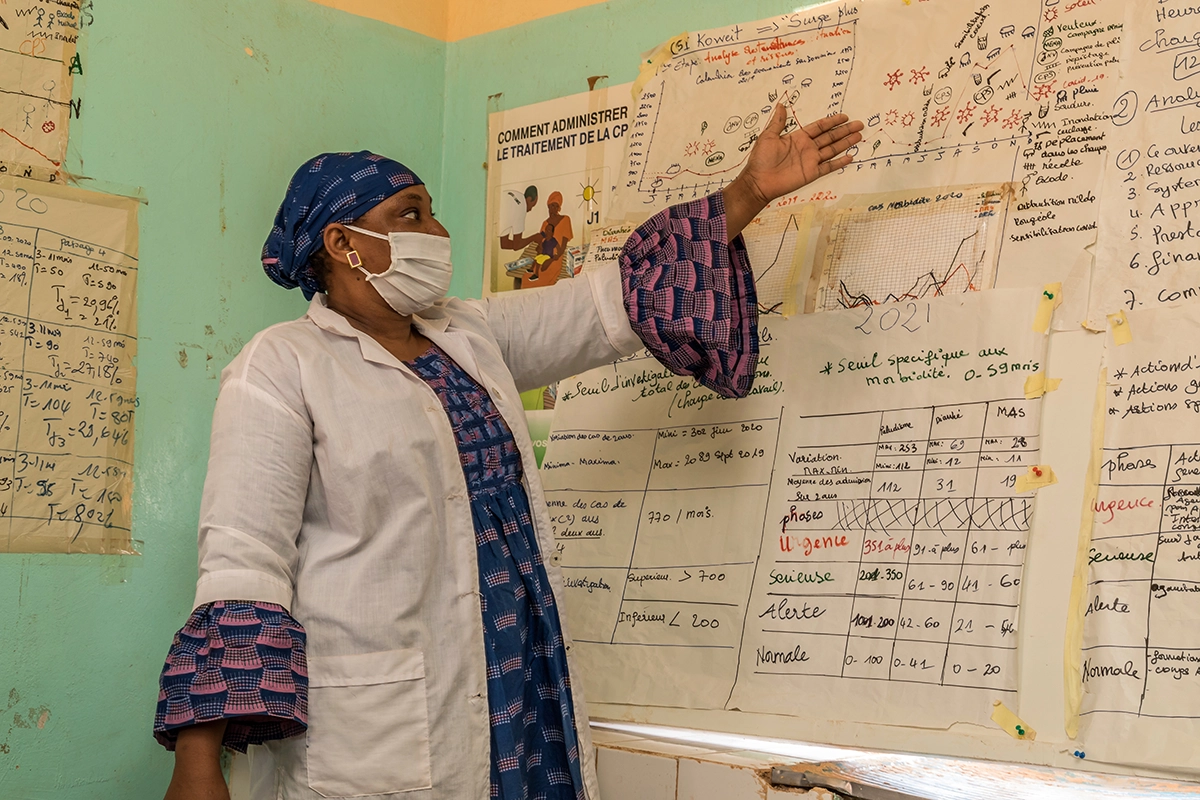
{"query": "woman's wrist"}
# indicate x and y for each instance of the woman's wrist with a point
(742, 203)
(198, 747)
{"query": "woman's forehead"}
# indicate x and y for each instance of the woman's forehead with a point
(405, 197)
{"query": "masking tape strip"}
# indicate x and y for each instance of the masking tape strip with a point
(593, 170)
(1038, 477)
(1051, 299)
(1121, 332)
(1011, 724)
(794, 295)
(657, 57)
(1077, 606)
(1038, 384)
(494, 258)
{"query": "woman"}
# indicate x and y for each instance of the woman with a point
(556, 238)
(372, 526)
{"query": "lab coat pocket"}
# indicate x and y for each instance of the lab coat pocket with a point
(368, 724)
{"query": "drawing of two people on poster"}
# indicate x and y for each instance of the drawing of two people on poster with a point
(550, 169)
(544, 254)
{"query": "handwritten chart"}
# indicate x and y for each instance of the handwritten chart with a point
(865, 534)
(1141, 654)
(1147, 248)
(951, 247)
(953, 93)
(68, 336)
(37, 63)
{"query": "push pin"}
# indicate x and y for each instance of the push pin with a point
(1037, 471)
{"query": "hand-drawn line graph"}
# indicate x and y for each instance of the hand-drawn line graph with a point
(986, 102)
(910, 248)
(771, 242)
(697, 120)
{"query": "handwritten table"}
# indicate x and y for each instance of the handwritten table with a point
(670, 549)
(67, 390)
(900, 547)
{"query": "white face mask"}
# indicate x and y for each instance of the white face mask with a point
(420, 272)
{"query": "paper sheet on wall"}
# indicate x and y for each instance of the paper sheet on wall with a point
(1141, 646)
(953, 93)
(1146, 253)
(37, 63)
(68, 336)
(567, 149)
(848, 540)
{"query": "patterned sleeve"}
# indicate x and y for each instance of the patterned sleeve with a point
(689, 292)
(239, 661)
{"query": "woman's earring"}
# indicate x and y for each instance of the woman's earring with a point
(353, 258)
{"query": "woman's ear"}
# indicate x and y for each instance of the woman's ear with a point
(337, 243)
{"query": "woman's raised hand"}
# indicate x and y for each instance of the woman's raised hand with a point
(780, 163)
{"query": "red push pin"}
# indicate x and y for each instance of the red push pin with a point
(1037, 471)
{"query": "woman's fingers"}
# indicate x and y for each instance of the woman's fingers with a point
(839, 146)
(820, 126)
(778, 120)
(833, 166)
(826, 129)
(840, 131)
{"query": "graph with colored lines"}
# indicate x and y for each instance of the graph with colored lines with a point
(776, 242)
(696, 121)
(909, 247)
(38, 62)
(950, 93)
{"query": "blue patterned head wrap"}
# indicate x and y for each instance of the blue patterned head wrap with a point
(333, 187)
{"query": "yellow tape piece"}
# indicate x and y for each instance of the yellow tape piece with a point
(1122, 334)
(1051, 299)
(657, 57)
(1038, 384)
(1038, 477)
(1077, 607)
(1013, 725)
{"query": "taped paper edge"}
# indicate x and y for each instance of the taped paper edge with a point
(1121, 332)
(1073, 646)
(1038, 385)
(1031, 482)
(795, 294)
(1011, 724)
(1046, 307)
(649, 66)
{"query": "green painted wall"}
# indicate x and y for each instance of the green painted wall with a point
(174, 107)
(541, 60)
(172, 104)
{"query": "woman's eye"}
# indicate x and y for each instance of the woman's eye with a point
(412, 214)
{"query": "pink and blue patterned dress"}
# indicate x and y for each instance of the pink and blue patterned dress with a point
(690, 297)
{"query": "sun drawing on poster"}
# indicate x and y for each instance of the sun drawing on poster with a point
(588, 194)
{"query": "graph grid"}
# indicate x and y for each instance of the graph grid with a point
(907, 252)
(771, 242)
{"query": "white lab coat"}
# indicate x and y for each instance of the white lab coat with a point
(334, 489)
